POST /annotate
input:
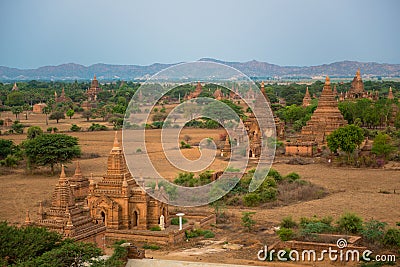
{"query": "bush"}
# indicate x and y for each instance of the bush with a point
(10, 161)
(374, 230)
(185, 145)
(350, 223)
(251, 199)
(285, 234)
(275, 174)
(75, 128)
(247, 220)
(291, 177)
(392, 237)
(34, 131)
(208, 234)
(155, 228)
(268, 194)
(316, 228)
(139, 150)
(97, 127)
(199, 232)
(150, 246)
(175, 221)
(50, 129)
(288, 222)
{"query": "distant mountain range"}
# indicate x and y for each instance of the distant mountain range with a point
(256, 69)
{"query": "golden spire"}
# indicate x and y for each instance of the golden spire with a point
(327, 80)
(116, 143)
(62, 175)
(78, 169)
(27, 218)
(156, 187)
(94, 78)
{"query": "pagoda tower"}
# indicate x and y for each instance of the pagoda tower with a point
(65, 217)
(119, 202)
(325, 119)
(390, 95)
(79, 184)
(307, 99)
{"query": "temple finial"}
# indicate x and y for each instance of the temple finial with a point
(78, 169)
(116, 143)
(62, 175)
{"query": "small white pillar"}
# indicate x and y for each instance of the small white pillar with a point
(180, 215)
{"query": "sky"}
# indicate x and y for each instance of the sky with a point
(283, 32)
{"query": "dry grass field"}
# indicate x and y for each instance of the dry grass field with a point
(354, 190)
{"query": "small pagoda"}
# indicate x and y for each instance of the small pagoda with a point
(325, 119)
(67, 218)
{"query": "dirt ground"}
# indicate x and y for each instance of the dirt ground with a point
(353, 190)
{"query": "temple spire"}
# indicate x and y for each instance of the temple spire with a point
(62, 175)
(78, 171)
(116, 142)
(390, 96)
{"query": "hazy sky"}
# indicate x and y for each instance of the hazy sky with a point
(284, 32)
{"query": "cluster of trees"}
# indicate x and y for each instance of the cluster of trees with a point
(370, 114)
(40, 149)
(34, 246)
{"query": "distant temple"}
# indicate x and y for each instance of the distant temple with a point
(325, 119)
(196, 92)
(94, 90)
(62, 98)
(15, 87)
(252, 127)
(38, 108)
(357, 90)
(307, 99)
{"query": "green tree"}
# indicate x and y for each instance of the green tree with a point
(16, 111)
(382, 146)
(26, 108)
(68, 254)
(87, 114)
(25, 243)
(7, 147)
(47, 111)
(51, 149)
(70, 113)
(346, 138)
(17, 127)
(57, 115)
(247, 220)
(15, 99)
(34, 131)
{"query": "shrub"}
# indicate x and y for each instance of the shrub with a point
(34, 131)
(251, 199)
(97, 127)
(275, 174)
(285, 234)
(50, 129)
(288, 222)
(10, 161)
(139, 150)
(185, 145)
(268, 194)
(316, 228)
(175, 221)
(208, 234)
(374, 230)
(75, 128)
(247, 220)
(350, 223)
(155, 228)
(392, 237)
(291, 177)
(150, 246)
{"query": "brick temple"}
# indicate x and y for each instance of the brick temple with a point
(325, 119)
